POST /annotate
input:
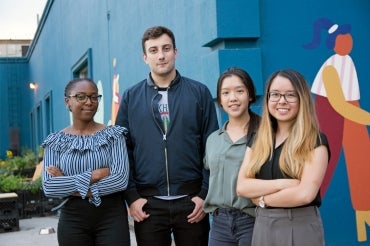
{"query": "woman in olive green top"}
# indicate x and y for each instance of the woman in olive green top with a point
(233, 216)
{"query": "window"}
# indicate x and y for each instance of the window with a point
(83, 68)
(39, 126)
(33, 132)
(48, 114)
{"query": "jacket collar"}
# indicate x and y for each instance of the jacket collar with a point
(176, 80)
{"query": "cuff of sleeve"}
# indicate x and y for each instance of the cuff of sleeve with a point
(83, 183)
(202, 194)
(131, 196)
(95, 198)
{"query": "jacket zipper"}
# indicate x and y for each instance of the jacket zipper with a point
(166, 160)
(164, 138)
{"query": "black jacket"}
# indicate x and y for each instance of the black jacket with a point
(167, 163)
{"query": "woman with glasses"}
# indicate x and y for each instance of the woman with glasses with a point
(283, 169)
(86, 163)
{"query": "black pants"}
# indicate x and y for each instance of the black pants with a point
(83, 224)
(167, 219)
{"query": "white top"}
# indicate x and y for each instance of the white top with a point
(347, 75)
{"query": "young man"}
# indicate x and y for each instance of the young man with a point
(168, 118)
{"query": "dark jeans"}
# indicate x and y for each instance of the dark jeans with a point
(231, 227)
(169, 218)
(83, 224)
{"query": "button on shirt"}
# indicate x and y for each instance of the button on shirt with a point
(223, 158)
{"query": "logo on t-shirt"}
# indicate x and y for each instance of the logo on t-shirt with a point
(164, 109)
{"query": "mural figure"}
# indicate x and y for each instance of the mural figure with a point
(99, 116)
(116, 97)
(341, 117)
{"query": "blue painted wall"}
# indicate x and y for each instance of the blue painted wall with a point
(258, 35)
(15, 103)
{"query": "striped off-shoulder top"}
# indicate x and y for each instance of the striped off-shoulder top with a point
(78, 155)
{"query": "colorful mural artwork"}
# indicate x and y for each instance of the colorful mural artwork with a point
(341, 117)
(99, 116)
(116, 97)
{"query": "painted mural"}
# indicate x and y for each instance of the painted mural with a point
(116, 97)
(337, 94)
(99, 116)
(337, 91)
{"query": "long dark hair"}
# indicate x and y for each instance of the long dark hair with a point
(244, 76)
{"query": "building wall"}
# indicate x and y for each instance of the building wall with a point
(14, 101)
(211, 35)
(14, 48)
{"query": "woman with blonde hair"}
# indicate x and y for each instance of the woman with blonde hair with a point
(282, 171)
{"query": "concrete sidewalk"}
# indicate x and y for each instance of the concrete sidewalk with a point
(29, 233)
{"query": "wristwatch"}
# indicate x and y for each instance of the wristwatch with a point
(261, 202)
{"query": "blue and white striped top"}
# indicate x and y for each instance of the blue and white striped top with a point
(78, 155)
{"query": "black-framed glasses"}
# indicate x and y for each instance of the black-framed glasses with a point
(82, 97)
(290, 97)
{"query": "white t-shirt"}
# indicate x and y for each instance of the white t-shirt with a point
(164, 109)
